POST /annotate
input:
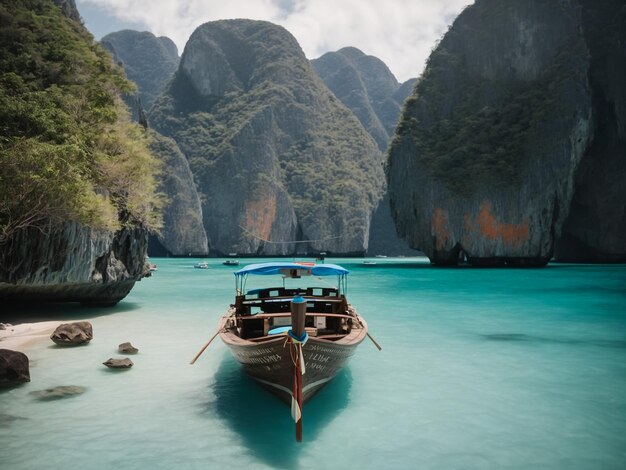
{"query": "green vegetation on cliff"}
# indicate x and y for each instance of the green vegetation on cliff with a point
(68, 150)
(149, 61)
(366, 86)
(470, 127)
(259, 127)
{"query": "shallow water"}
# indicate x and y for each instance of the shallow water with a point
(480, 368)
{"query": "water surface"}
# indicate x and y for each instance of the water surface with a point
(480, 368)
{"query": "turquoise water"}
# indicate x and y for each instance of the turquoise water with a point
(480, 369)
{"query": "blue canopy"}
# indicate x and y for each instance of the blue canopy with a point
(275, 268)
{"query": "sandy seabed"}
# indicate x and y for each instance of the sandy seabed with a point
(21, 337)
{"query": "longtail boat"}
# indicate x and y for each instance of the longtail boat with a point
(292, 340)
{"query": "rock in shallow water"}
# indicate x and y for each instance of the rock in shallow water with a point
(7, 419)
(71, 334)
(56, 393)
(13, 368)
(124, 363)
(127, 348)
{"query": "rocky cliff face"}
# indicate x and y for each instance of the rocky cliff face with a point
(284, 167)
(182, 233)
(365, 85)
(72, 263)
(484, 157)
(77, 146)
(68, 7)
(596, 226)
(368, 88)
(149, 61)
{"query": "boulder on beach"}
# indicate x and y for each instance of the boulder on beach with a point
(57, 393)
(127, 348)
(13, 368)
(123, 363)
(72, 334)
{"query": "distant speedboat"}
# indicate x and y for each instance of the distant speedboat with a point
(231, 262)
(381, 256)
(369, 263)
(153, 267)
(201, 265)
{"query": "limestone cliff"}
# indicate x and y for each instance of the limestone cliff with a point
(595, 230)
(73, 225)
(283, 166)
(182, 233)
(72, 263)
(368, 88)
(484, 156)
(68, 7)
(149, 61)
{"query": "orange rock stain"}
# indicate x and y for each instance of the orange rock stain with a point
(260, 216)
(441, 228)
(489, 227)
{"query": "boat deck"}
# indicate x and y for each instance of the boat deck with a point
(329, 317)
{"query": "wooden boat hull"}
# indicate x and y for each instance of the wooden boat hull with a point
(270, 363)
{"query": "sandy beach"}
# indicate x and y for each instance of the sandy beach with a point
(21, 337)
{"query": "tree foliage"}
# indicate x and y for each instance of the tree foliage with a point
(68, 150)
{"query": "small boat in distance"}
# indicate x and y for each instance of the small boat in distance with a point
(292, 341)
(369, 263)
(201, 265)
(231, 262)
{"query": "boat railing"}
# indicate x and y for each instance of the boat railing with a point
(246, 307)
(285, 292)
(308, 314)
(308, 299)
(331, 337)
(319, 324)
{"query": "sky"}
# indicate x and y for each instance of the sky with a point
(401, 33)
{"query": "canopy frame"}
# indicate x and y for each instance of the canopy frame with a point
(292, 270)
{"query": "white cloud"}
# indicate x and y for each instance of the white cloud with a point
(399, 32)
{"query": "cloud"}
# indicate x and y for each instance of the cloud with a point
(399, 32)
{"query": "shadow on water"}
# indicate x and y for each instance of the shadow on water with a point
(36, 312)
(264, 422)
(520, 337)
